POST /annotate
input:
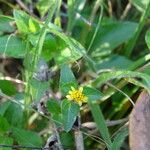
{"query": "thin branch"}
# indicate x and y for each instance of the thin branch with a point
(58, 138)
(78, 136)
(110, 8)
(13, 80)
(25, 8)
(96, 30)
(92, 125)
(128, 7)
(111, 85)
(126, 125)
(19, 147)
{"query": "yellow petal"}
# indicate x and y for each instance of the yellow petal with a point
(80, 103)
(68, 97)
(70, 92)
(81, 89)
(72, 88)
(85, 99)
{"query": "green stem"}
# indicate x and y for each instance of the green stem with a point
(131, 43)
(100, 121)
(96, 30)
(122, 83)
(38, 48)
(37, 54)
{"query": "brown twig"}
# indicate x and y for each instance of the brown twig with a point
(125, 12)
(13, 80)
(78, 136)
(92, 125)
(25, 8)
(110, 8)
(20, 147)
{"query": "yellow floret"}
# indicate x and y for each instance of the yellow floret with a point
(77, 95)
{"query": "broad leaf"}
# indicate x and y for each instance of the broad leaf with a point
(6, 141)
(14, 114)
(3, 107)
(92, 93)
(12, 46)
(7, 87)
(147, 38)
(113, 62)
(25, 137)
(67, 79)
(4, 125)
(53, 106)
(38, 88)
(5, 24)
(119, 138)
(49, 47)
(70, 111)
(25, 23)
(73, 50)
(112, 34)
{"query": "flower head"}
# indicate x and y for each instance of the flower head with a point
(77, 95)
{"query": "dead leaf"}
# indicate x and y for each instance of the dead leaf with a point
(139, 123)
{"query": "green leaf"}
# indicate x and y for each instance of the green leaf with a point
(147, 38)
(67, 79)
(73, 7)
(53, 106)
(21, 19)
(49, 47)
(4, 125)
(25, 137)
(140, 5)
(57, 118)
(43, 6)
(38, 88)
(67, 140)
(106, 76)
(119, 138)
(70, 111)
(72, 52)
(14, 114)
(33, 25)
(113, 61)
(3, 107)
(66, 52)
(5, 24)
(112, 34)
(25, 23)
(92, 93)
(7, 87)
(100, 121)
(12, 46)
(6, 141)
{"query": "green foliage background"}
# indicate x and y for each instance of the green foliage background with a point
(100, 45)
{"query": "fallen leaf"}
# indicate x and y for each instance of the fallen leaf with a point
(139, 123)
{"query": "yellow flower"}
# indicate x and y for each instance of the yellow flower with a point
(77, 95)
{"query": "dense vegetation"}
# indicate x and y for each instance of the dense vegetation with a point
(71, 72)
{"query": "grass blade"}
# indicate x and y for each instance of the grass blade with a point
(100, 121)
(131, 43)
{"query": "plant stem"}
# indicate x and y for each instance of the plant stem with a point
(131, 43)
(96, 30)
(78, 135)
(39, 45)
(100, 121)
(37, 54)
